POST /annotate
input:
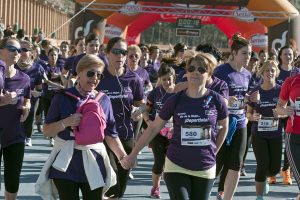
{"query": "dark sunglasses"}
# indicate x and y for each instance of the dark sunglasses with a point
(25, 50)
(182, 50)
(91, 74)
(133, 56)
(200, 69)
(11, 48)
(119, 51)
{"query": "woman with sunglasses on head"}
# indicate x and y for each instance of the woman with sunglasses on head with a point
(231, 154)
(287, 69)
(16, 110)
(179, 66)
(126, 93)
(190, 165)
(155, 101)
(66, 166)
(36, 72)
(266, 128)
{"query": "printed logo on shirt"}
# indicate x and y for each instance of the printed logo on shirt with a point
(20, 92)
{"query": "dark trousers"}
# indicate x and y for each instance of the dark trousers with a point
(118, 190)
(159, 146)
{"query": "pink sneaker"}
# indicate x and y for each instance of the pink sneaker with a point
(155, 194)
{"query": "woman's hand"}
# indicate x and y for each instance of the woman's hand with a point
(255, 116)
(255, 97)
(73, 120)
(9, 98)
(231, 100)
(290, 111)
(137, 113)
(128, 161)
(25, 112)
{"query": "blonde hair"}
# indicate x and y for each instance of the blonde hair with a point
(205, 59)
(269, 63)
(134, 48)
(88, 60)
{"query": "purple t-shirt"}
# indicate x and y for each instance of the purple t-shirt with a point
(285, 74)
(157, 97)
(122, 91)
(10, 114)
(49, 90)
(268, 126)
(62, 106)
(69, 63)
(254, 81)
(238, 83)
(142, 74)
(192, 151)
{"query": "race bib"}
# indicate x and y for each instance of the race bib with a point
(267, 124)
(297, 106)
(195, 135)
(236, 108)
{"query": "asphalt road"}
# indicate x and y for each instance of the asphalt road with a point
(139, 188)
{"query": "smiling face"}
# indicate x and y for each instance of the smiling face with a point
(80, 47)
(167, 80)
(117, 55)
(287, 56)
(93, 47)
(90, 77)
(269, 73)
(26, 52)
(53, 56)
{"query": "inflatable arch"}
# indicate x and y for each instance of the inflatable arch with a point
(272, 17)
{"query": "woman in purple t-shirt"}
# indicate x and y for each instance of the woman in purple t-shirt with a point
(160, 142)
(125, 90)
(12, 115)
(266, 127)
(191, 156)
(237, 78)
(72, 167)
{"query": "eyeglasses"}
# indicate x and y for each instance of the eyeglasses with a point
(11, 48)
(133, 56)
(25, 50)
(91, 74)
(119, 51)
(182, 50)
(201, 69)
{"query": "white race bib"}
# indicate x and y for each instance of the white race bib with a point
(236, 108)
(267, 124)
(195, 135)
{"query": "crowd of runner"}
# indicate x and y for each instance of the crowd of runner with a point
(198, 110)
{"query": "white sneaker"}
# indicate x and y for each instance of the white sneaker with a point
(51, 142)
(131, 176)
(28, 142)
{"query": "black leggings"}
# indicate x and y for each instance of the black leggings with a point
(159, 148)
(286, 164)
(292, 143)
(268, 156)
(186, 187)
(13, 159)
(248, 144)
(118, 190)
(68, 190)
(231, 157)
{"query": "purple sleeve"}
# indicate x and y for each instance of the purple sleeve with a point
(224, 90)
(40, 75)
(147, 79)
(218, 73)
(53, 114)
(139, 91)
(167, 110)
(151, 96)
(110, 120)
(221, 107)
(68, 63)
(27, 89)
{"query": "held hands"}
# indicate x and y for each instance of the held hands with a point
(128, 161)
(290, 111)
(25, 112)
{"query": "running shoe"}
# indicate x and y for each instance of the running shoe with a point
(286, 175)
(220, 195)
(131, 176)
(28, 142)
(272, 180)
(155, 194)
(259, 198)
(243, 171)
(266, 187)
(51, 142)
